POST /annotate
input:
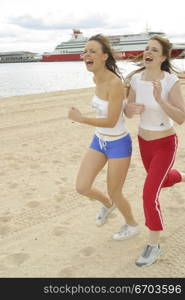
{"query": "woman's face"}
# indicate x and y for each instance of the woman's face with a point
(153, 54)
(93, 56)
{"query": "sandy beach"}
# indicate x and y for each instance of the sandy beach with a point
(46, 228)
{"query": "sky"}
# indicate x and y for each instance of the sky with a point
(39, 25)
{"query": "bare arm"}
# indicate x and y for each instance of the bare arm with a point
(132, 108)
(174, 107)
(115, 100)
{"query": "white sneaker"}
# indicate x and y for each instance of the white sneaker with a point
(126, 231)
(103, 214)
(149, 256)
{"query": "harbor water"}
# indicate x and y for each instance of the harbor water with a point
(39, 77)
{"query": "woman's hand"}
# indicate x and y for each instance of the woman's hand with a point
(133, 108)
(157, 90)
(75, 115)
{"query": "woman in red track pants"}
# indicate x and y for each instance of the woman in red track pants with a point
(156, 96)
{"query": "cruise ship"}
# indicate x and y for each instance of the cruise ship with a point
(125, 46)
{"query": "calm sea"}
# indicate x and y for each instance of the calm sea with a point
(37, 77)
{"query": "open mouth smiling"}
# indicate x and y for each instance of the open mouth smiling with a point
(89, 62)
(148, 59)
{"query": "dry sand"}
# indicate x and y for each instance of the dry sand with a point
(46, 228)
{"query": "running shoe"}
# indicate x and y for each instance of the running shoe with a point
(149, 256)
(103, 214)
(126, 231)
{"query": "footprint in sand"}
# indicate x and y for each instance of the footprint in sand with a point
(5, 219)
(56, 161)
(15, 259)
(67, 272)
(88, 251)
(34, 166)
(66, 223)
(2, 173)
(44, 172)
(3, 268)
(64, 179)
(58, 182)
(13, 185)
(14, 166)
(59, 231)
(9, 158)
(28, 195)
(33, 204)
(4, 230)
(180, 200)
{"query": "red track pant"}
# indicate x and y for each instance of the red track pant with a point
(158, 157)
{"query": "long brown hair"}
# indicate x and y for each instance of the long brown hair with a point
(166, 64)
(106, 48)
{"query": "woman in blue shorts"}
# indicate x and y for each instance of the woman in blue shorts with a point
(111, 143)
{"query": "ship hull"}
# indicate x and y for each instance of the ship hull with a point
(62, 57)
(122, 55)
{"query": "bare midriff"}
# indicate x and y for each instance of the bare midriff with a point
(149, 135)
(112, 135)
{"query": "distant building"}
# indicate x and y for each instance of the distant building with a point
(19, 56)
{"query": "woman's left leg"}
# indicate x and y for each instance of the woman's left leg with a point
(116, 175)
(159, 175)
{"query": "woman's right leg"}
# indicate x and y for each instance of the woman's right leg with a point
(158, 165)
(91, 165)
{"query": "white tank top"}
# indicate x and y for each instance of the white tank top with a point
(153, 117)
(101, 107)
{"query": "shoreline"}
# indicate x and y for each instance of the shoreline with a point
(45, 93)
(46, 228)
(55, 76)
(58, 92)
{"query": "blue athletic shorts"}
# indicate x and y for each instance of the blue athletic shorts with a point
(122, 147)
